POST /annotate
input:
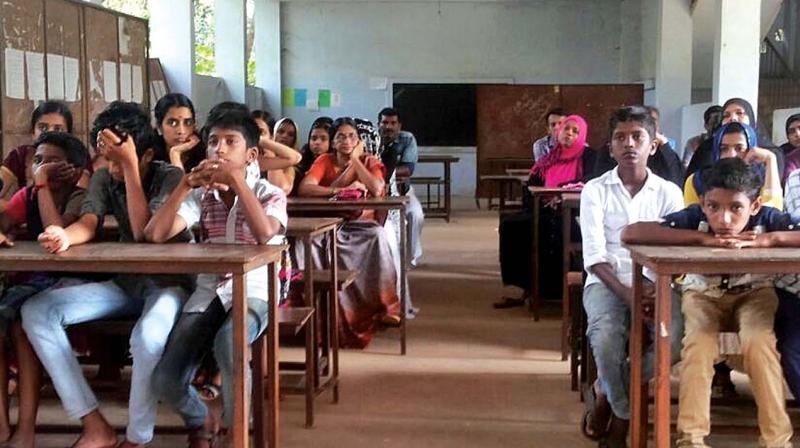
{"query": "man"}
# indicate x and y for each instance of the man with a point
(399, 154)
(711, 120)
(546, 144)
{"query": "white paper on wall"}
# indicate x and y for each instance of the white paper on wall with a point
(14, 63)
(125, 81)
(110, 81)
(72, 77)
(34, 64)
(55, 76)
(137, 84)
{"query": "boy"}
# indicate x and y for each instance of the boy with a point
(628, 193)
(731, 215)
(54, 199)
(232, 204)
(132, 187)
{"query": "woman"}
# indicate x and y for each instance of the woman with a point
(319, 142)
(791, 149)
(50, 116)
(569, 162)
(737, 139)
(176, 124)
(362, 242)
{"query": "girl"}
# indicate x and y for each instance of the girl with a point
(319, 142)
(16, 170)
(176, 125)
(277, 160)
(737, 139)
(362, 240)
(791, 149)
(569, 162)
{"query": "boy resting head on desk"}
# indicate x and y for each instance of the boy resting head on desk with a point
(226, 195)
(731, 216)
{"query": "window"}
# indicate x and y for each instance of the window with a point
(204, 63)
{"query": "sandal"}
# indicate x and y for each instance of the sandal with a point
(509, 302)
(390, 320)
(592, 419)
(209, 392)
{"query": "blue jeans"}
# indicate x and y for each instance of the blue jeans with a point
(787, 330)
(609, 321)
(45, 316)
(188, 344)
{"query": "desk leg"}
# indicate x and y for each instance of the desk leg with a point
(272, 355)
(333, 314)
(447, 203)
(310, 299)
(403, 274)
(534, 287)
(663, 339)
(638, 392)
(566, 234)
(241, 418)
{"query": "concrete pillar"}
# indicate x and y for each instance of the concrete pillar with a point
(736, 50)
(267, 22)
(230, 42)
(172, 41)
(673, 80)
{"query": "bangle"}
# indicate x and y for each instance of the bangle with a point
(333, 191)
(40, 187)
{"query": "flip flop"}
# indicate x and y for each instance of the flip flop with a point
(508, 302)
(209, 391)
(589, 419)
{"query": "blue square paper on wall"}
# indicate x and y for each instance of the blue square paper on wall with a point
(300, 96)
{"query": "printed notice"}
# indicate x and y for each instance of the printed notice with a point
(137, 84)
(15, 73)
(125, 81)
(55, 77)
(336, 99)
(110, 81)
(34, 63)
(72, 77)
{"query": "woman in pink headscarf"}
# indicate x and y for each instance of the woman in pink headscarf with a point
(567, 164)
(569, 160)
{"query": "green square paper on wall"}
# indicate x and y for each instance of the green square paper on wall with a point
(324, 97)
(288, 97)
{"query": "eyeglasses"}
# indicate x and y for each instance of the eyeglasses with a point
(344, 137)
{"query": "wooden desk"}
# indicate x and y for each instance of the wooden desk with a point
(505, 184)
(518, 171)
(304, 230)
(536, 203)
(181, 259)
(570, 206)
(326, 206)
(667, 261)
(446, 161)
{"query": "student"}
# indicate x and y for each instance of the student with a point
(740, 111)
(546, 144)
(133, 186)
(711, 120)
(176, 125)
(319, 142)
(233, 204)
(787, 318)
(730, 216)
(791, 149)
(279, 164)
(739, 140)
(362, 241)
(665, 163)
(265, 121)
(54, 199)
(628, 193)
(399, 154)
(15, 171)
(568, 162)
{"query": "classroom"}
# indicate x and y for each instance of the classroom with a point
(396, 223)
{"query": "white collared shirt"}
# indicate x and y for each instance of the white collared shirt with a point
(607, 207)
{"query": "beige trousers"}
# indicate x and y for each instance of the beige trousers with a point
(753, 313)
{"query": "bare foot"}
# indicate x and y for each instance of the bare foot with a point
(20, 440)
(97, 433)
